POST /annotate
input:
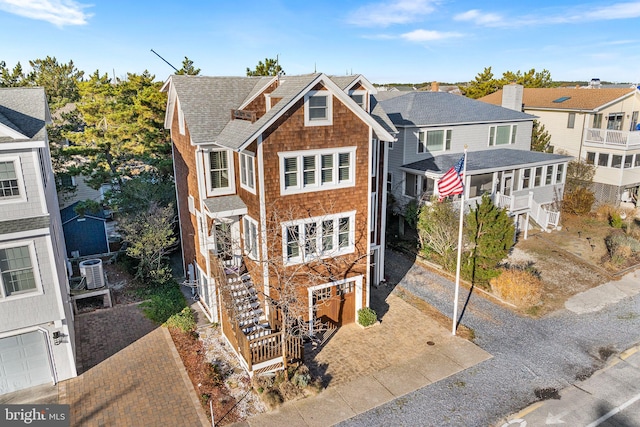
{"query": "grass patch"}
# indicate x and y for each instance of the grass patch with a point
(164, 301)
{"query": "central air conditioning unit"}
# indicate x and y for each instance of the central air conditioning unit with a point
(91, 270)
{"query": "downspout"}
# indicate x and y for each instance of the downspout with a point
(584, 119)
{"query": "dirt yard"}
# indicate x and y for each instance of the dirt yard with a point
(570, 260)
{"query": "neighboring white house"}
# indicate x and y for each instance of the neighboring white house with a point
(37, 343)
(434, 129)
(595, 124)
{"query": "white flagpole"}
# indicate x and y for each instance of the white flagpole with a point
(458, 262)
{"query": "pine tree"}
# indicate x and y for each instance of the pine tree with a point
(269, 67)
(484, 84)
(540, 138)
(490, 234)
(188, 68)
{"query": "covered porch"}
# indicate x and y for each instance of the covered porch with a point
(526, 183)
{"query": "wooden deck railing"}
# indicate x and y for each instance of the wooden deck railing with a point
(256, 350)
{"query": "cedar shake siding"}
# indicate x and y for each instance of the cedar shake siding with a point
(184, 163)
(278, 128)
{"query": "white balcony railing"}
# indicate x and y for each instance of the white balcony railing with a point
(612, 138)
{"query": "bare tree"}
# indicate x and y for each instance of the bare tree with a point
(304, 248)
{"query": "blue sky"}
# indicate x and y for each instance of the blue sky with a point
(387, 41)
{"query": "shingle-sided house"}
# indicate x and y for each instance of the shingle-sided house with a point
(595, 124)
(37, 343)
(434, 128)
(280, 185)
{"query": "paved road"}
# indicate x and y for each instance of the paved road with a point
(611, 397)
(533, 358)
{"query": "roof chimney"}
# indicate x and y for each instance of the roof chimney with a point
(435, 87)
(512, 96)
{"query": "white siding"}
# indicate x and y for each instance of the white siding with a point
(30, 177)
(475, 136)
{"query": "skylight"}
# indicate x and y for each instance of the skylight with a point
(561, 99)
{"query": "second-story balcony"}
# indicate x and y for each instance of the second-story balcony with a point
(616, 139)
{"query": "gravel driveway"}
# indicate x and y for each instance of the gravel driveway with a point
(533, 358)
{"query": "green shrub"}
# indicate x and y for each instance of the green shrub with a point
(165, 301)
(411, 213)
(615, 220)
(367, 317)
(185, 321)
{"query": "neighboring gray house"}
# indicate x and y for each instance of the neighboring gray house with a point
(37, 342)
(433, 129)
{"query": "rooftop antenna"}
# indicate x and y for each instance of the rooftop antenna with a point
(164, 60)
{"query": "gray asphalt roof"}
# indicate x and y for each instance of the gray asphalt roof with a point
(24, 110)
(344, 82)
(207, 101)
(487, 160)
(24, 224)
(420, 108)
(381, 116)
(225, 204)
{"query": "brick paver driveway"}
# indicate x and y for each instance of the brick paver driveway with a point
(130, 374)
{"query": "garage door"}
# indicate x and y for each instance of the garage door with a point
(24, 362)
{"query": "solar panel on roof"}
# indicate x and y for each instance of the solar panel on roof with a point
(561, 99)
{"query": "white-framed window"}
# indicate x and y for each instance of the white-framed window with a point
(317, 170)
(603, 159)
(11, 187)
(537, 178)
(222, 239)
(597, 120)
(559, 174)
(410, 185)
(360, 97)
(628, 161)
(389, 182)
(525, 179)
(250, 229)
(247, 172)
(18, 274)
(548, 179)
(434, 140)
(502, 135)
(616, 161)
(590, 158)
(375, 150)
(219, 173)
(319, 237)
(571, 121)
(390, 145)
(318, 108)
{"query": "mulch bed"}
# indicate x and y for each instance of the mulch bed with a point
(207, 381)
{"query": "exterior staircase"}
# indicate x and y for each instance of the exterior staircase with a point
(248, 309)
(257, 342)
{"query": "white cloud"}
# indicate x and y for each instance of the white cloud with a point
(610, 12)
(576, 15)
(390, 13)
(479, 18)
(57, 12)
(428, 36)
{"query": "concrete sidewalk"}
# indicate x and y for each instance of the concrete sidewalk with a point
(599, 297)
(368, 368)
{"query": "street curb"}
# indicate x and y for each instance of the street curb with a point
(534, 406)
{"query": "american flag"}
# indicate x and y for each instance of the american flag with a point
(451, 182)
